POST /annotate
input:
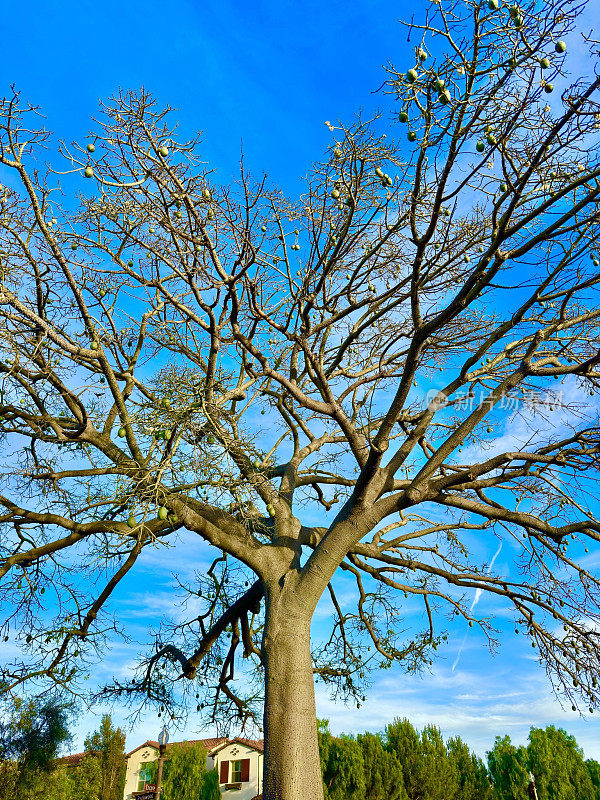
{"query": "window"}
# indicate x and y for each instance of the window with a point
(234, 772)
(144, 777)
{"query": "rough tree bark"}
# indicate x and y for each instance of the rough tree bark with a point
(292, 769)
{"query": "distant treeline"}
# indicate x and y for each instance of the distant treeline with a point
(403, 764)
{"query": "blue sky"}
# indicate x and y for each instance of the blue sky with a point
(268, 74)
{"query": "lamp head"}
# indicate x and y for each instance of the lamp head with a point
(163, 736)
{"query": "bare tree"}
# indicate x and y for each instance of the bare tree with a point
(421, 297)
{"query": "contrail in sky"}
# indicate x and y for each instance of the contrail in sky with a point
(473, 604)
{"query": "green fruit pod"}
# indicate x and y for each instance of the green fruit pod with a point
(91, 147)
(548, 88)
(403, 116)
(271, 510)
(544, 63)
(131, 521)
(503, 187)
(164, 151)
(88, 172)
(411, 136)
(560, 47)
(163, 513)
(121, 432)
(206, 194)
(335, 194)
(412, 75)
(480, 147)
(444, 98)
(422, 54)
(94, 346)
(493, 5)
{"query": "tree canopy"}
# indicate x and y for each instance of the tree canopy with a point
(31, 734)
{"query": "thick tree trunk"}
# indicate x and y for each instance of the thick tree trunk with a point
(292, 769)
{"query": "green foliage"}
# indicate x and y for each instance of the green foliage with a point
(210, 789)
(341, 765)
(403, 741)
(558, 765)
(439, 775)
(383, 773)
(508, 768)
(593, 768)
(407, 766)
(108, 745)
(185, 774)
(52, 784)
(85, 779)
(31, 733)
(473, 780)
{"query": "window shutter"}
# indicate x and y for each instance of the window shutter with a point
(245, 769)
(224, 772)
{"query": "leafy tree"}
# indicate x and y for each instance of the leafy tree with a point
(473, 780)
(440, 774)
(31, 734)
(383, 773)
(85, 779)
(593, 768)
(52, 784)
(185, 773)
(403, 741)
(509, 770)
(558, 766)
(342, 766)
(388, 324)
(210, 789)
(108, 745)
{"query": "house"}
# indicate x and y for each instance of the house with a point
(238, 763)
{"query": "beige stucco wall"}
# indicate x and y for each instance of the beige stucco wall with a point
(134, 762)
(235, 752)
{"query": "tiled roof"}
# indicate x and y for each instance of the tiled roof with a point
(73, 759)
(254, 744)
(208, 744)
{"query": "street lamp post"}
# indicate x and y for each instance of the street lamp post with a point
(531, 788)
(163, 738)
